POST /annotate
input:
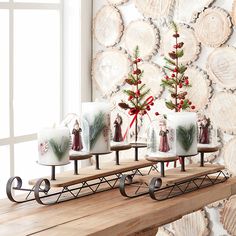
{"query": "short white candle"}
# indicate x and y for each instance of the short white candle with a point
(53, 146)
(97, 115)
(185, 127)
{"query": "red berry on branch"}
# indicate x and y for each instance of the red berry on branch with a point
(148, 108)
(167, 77)
(137, 93)
(138, 59)
(173, 75)
(190, 103)
(193, 107)
(180, 85)
(181, 102)
(175, 46)
(152, 104)
(175, 69)
(157, 113)
(139, 81)
(186, 82)
(144, 112)
(134, 72)
(130, 97)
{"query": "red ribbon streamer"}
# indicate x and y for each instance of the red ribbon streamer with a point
(134, 111)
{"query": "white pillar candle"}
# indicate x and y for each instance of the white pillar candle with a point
(97, 115)
(184, 125)
(53, 146)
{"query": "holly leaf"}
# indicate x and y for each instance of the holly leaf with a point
(170, 105)
(180, 53)
(123, 105)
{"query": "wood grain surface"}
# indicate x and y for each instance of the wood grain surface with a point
(106, 213)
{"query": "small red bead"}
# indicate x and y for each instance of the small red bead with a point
(180, 85)
(157, 113)
(193, 107)
(173, 75)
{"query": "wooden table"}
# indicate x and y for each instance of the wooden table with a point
(106, 213)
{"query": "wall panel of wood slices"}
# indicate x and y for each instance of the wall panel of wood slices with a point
(209, 33)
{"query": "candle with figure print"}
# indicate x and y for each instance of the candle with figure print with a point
(53, 146)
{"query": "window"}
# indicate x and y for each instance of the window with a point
(30, 82)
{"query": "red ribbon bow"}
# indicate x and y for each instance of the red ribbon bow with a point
(135, 111)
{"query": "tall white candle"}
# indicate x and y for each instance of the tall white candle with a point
(97, 114)
(53, 146)
(185, 128)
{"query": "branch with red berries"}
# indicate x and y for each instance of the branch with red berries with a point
(137, 103)
(175, 79)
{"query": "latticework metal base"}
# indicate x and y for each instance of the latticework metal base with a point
(131, 188)
(45, 195)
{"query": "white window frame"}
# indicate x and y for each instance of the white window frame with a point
(11, 6)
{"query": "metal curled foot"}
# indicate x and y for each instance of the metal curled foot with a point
(41, 186)
(130, 188)
(10, 186)
(154, 185)
(159, 193)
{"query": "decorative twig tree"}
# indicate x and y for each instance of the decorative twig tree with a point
(137, 103)
(175, 78)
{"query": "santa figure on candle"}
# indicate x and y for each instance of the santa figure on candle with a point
(164, 145)
(118, 132)
(77, 139)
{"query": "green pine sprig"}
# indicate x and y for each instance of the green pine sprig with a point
(60, 150)
(186, 136)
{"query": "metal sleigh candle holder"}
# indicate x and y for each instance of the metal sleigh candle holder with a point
(76, 184)
(175, 181)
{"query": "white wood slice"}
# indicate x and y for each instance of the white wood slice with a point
(109, 68)
(213, 27)
(221, 66)
(152, 77)
(233, 13)
(191, 45)
(229, 152)
(156, 9)
(186, 11)
(228, 216)
(143, 34)
(217, 204)
(200, 91)
(108, 26)
(117, 2)
(222, 111)
(194, 224)
(164, 232)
